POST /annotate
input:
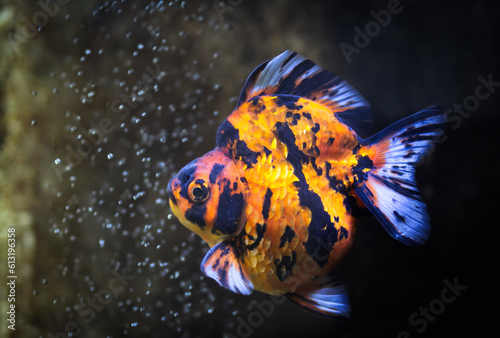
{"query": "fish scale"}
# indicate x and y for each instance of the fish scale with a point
(275, 199)
(317, 183)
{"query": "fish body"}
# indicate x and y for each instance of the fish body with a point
(275, 198)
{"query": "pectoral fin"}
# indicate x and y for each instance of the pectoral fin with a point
(221, 263)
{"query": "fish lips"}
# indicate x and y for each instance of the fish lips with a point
(170, 193)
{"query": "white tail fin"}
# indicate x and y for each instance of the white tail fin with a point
(390, 191)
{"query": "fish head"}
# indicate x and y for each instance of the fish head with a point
(209, 198)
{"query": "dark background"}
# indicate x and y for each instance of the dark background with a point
(110, 212)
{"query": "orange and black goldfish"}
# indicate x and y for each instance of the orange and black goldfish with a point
(275, 198)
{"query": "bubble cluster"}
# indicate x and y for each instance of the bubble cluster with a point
(139, 99)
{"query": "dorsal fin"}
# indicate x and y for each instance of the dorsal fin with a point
(292, 74)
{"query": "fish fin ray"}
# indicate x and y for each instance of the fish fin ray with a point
(292, 74)
(325, 295)
(390, 192)
(221, 263)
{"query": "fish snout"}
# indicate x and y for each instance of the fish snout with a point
(170, 192)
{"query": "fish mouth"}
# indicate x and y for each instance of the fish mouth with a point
(171, 194)
(176, 211)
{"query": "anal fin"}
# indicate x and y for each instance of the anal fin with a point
(325, 295)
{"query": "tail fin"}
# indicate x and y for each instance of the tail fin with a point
(390, 191)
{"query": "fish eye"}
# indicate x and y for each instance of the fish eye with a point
(198, 191)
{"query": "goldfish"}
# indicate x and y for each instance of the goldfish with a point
(276, 198)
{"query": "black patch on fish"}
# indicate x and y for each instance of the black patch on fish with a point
(314, 150)
(364, 162)
(288, 101)
(186, 173)
(254, 100)
(356, 148)
(399, 216)
(307, 115)
(320, 241)
(228, 211)
(242, 152)
(288, 85)
(424, 133)
(350, 204)
(343, 233)
(235, 185)
(295, 119)
(335, 183)
(320, 81)
(243, 180)
(196, 215)
(318, 171)
(287, 236)
(285, 265)
(292, 55)
(267, 203)
(316, 127)
(260, 229)
(227, 134)
(330, 141)
(258, 106)
(222, 253)
(185, 177)
(409, 154)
